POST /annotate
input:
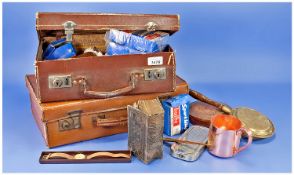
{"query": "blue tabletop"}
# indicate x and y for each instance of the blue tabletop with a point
(237, 53)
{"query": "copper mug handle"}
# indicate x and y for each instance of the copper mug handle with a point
(249, 134)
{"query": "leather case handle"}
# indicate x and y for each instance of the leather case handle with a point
(117, 92)
(109, 122)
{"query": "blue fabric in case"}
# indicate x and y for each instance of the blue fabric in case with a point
(59, 49)
(136, 42)
(116, 49)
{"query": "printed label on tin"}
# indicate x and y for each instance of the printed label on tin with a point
(155, 60)
(185, 116)
(175, 120)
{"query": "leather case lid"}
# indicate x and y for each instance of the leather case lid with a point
(103, 21)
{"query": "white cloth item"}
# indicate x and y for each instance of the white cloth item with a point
(91, 50)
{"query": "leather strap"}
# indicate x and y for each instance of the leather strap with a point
(108, 154)
(83, 156)
(111, 122)
(56, 155)
(117, 92)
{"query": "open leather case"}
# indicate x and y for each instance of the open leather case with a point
(102, 76)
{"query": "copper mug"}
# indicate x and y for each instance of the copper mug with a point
(224, 136)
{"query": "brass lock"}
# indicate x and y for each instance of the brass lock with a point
(155, 73)
(151, 26)
(59, 81)
(72, 122)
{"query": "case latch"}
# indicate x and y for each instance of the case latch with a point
(69, 29)
(72, 122)
(155, 74)
(151, 26)
(59, 81)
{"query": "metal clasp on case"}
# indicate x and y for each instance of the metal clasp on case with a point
(155, 73)
(151, 26)
(72, 122)
(69, 29)
(59, 81)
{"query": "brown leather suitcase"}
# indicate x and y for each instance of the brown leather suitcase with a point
(73, 121)
(102, 76)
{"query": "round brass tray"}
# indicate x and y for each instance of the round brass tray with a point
(258, 123)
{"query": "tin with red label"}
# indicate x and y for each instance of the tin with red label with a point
(176, 114)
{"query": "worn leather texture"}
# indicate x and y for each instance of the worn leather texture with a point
(48, 21)
(99, 117)
(103, 74)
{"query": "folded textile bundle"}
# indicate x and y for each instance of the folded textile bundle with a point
(116, 49)
(139, 42)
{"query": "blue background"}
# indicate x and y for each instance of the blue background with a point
(238, 53)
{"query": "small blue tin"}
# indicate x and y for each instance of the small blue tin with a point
(176, 114)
